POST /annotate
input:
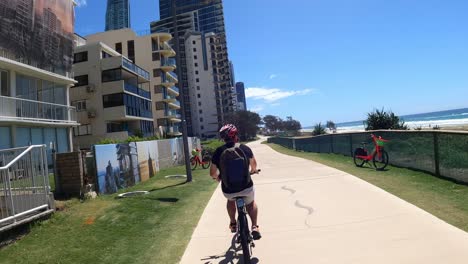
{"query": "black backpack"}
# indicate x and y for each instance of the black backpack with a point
(234, 168)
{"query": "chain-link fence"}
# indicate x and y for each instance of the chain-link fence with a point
(441, 153)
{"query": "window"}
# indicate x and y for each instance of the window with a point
(156, 56)
(159, 106)
(198, 95)
(157, 73)
(112, 100)
(202, 127)
(198, 88)
(196, 64)
(194, 50)
(195, 57)
(200, 111)
(105, 55)
(199, 103)
(131, 50)
(82, 130)
(116, 127)
(118, 47)
(4, 87)
(196, 72)
(111, 75)
(80, 105)
(197, 80)
(201, 119)
(194, 42)
(158, 89)
(82, 80)
(80, 57)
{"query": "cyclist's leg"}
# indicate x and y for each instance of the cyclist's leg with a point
(252, 209)
(231, 209)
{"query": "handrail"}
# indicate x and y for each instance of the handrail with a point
(20, 156)
(40, 102)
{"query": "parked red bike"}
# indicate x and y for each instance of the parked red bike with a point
(379, 156)
(195, 160)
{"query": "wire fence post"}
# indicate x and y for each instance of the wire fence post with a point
(351, 144)
(436, 153)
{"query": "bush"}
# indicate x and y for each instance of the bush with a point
(211, 145)
(380, 119)
(318, 129)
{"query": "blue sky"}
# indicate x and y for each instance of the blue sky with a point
(319, 60)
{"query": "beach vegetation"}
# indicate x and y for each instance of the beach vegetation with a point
(381, 119)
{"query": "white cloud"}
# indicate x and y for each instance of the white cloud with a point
(257, 108)
(81, 3)
(272, 94)
(272, 76)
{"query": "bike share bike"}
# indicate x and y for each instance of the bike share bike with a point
(379, 156)
(243, 235)
(195, 160)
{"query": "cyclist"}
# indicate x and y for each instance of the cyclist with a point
(229, 134)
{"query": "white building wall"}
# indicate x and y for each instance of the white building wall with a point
(201, 87)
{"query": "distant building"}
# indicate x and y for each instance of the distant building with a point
(240, 91)
(36, 43)
(117, 14)
(154, 56)
(198, 16)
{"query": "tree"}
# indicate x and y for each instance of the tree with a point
(291, 125)
(380, 119)
(272, 123)
(318, 130)
(331, 125)
(246, 122)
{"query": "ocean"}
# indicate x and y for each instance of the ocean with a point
(446, 118)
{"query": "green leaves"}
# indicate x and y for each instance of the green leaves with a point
(380, 119)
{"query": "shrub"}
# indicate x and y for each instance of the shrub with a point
(318, 129)
(380, 119)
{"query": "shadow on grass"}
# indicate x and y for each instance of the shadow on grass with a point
(229, 256)
(167, 187)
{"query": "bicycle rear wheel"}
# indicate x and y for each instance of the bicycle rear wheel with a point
(244, 237)
(206, 162)
(193, 163)
(359, 161)
(380, 161)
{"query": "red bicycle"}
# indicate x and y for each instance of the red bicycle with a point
(195, 160)
(379, 156)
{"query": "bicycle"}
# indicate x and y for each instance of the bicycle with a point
(379, 156)
(244, 237)
(205, 162)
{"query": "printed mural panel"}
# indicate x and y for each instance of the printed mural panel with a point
(117, 166)
(147, 159)
(38, 33)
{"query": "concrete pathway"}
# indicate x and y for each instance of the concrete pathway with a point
(311, 213)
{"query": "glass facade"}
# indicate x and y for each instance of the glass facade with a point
(39, 90)
(117, 14)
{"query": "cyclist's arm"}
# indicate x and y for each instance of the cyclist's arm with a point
(253, 165)
(214, 172)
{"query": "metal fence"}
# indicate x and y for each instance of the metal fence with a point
(25, 191)
(24, 109)
(441, 153)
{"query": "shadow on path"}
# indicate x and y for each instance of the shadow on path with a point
(167, 187)
(230, 257)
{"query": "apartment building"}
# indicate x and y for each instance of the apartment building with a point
(211, 94)
(35, 75)
(192, 16)
(111, 96)
(152, 53)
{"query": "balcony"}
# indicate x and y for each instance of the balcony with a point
(174, 104)
(173, 131)
(173, 76)
(136, 90)
(169, 98)
(166, 50)
(168, 64)
(174, 90)
(127, 64)
(171, 114)
(30, 111)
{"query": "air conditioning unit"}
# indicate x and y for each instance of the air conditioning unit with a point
(91, 114)
(90, 88)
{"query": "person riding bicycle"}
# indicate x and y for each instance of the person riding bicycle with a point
(243, 185)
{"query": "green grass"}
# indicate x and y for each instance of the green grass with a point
(442, 198)
(154, 228)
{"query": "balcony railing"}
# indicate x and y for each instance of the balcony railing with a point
(136, 90)
(173, 75)
(172, 114)
(168, 62)
(175, 89)
(13, 108)
(132, 67)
